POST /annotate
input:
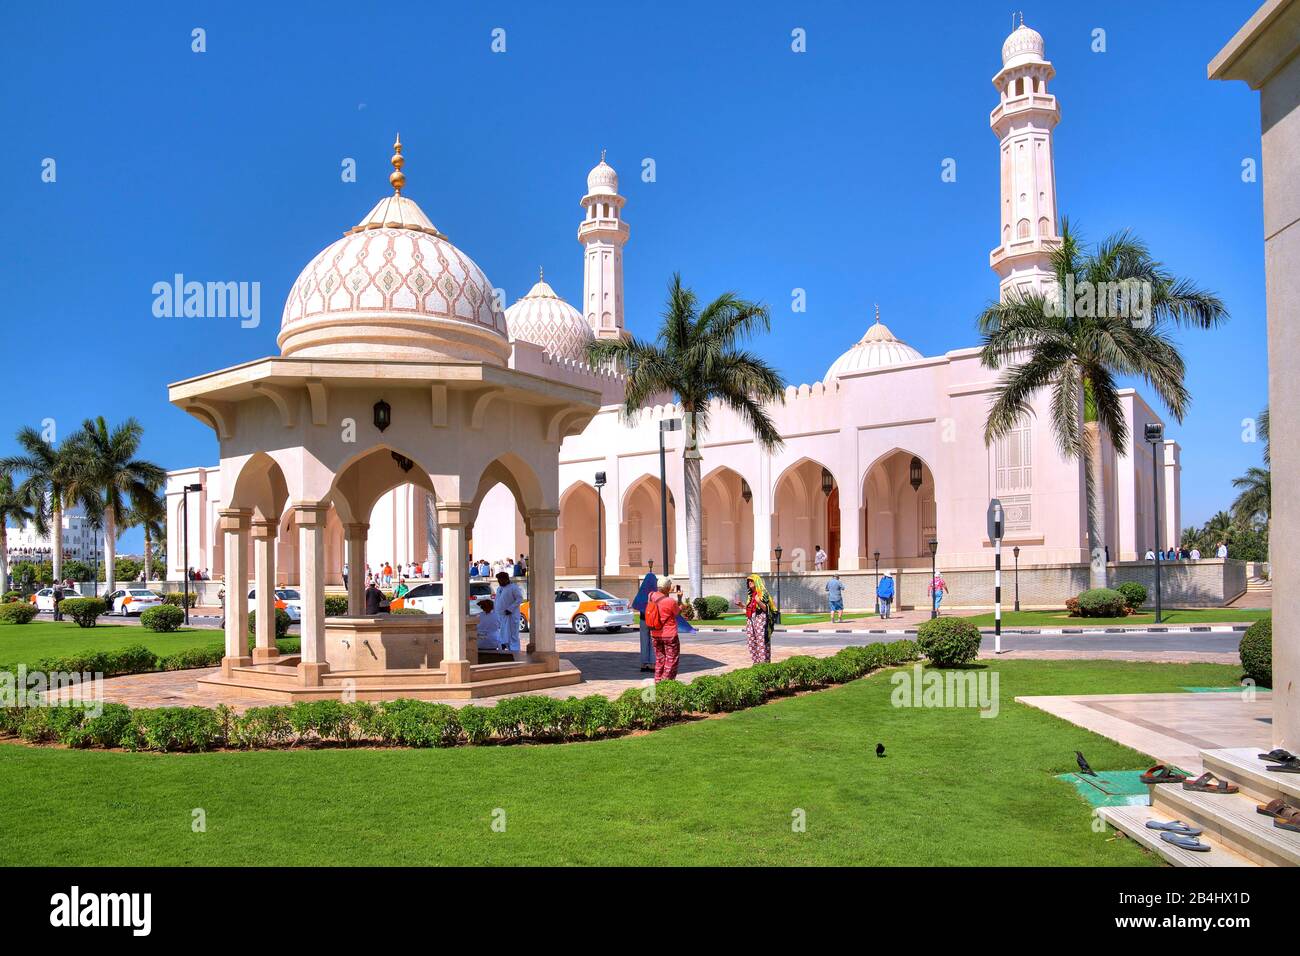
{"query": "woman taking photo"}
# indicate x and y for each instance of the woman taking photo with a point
(760, 619)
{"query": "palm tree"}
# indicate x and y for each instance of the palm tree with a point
(150, 515)
(15, 507)
(1044, 343)
(107, 473)
(46, 468)
(697, 359)
(1255, 502)
(1261, 426)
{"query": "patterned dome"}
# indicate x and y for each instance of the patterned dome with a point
(393, 287)
(878, 348)
(543, 318)
(602, 180)
(1023, 46)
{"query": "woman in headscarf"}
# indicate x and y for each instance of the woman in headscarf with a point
(760, 619)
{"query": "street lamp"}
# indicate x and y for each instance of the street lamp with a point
(1155, 433)
(1015, 552)
(600, 521)
(934, 595)
(778, 582)
(665, 425)
(185, 547)
(95, 576)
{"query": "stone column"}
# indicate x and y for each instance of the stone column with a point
(234, 527)
(310, 517)
(850, 529)
(356, 534)
(265, 531)
(762, 503)
(541, 587)
(453, 519)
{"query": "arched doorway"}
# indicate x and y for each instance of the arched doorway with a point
(898, 511)
(575, 538)
(641, 526)
(727, 543)
(806, 514)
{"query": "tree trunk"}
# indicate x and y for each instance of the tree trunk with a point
(56, 559)
(110, 548)
(1096, 502)
(4, 558)
(694, 522)
(148, 557)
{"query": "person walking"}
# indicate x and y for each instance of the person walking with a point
(345, 575)
(58, 599)
(649, 584)
(885, 595)
(760, 619)
(820, 558)
(938, 588)
(835, 595)
(662, 609)
(509, 598)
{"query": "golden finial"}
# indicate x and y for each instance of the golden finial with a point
(541, 274)
(602, 155)
(877, 313)
(397, 177)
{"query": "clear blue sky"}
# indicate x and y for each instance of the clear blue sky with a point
(775, 170)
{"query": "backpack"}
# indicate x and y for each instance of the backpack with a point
(654, 620)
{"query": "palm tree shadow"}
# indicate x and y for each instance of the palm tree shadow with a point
(626, 664)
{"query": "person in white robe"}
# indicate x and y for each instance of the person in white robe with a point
(508, 599)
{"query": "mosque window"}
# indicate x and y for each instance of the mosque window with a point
(1044, 226)
(1022, 229)
(1014, 458)
(1020, 86)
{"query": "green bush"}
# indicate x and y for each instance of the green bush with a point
(634, 710)
(17, 613)
(167, 729)
(1256, 651)
(177, 598)
(948, 641)
(137, 659)
(282, 623)
(803, 672)
(10, 596)
(262, 727)
(407, 610)
(85, 610)
(475, 727)
(1102, 602)
(191, 658)
(336, 605)
(418, 723)
(1135, 594)
(594, 715)
(104, 730)
(325, 719)
(709, 694)
(163, 619)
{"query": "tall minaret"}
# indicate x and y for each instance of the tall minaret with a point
(1023, 122)
(602, 234)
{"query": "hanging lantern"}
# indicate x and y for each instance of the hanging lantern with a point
(915, 473)
(745, 491)
(828, 482)
(383, 414)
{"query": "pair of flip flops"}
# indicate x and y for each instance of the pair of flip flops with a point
(1285, 816)
(1281, 761)
(1162, 774)
(1179, 834)
(1209, 783)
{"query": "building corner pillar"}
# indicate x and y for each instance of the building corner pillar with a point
(234, 524)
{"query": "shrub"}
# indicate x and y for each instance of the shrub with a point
(85, 610)
(474, 724)
(418, 723)
(1072, 606)
(688, 611)
(177, 598)
(634, 710)
(282, 623)
(594, 715)
(803, 672)
(900, 652)
(671, 699)
(948, 641)
(1256, 651)
(35, 726)
(773, 678)
(716, 606)
(1102, 602)
(129, 660)
(743, 690)
(262, 727)
(325, 719)
(17, 613)
(163, 619)
(103, 730)
(1135, 594)
(10, 596)
(336, 605)
(407, 610)
(709, 694)
(191, 658)
(168, 729)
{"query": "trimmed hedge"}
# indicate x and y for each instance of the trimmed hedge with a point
(162, 619)
(711, 607)
(177, 598)
(336, 605)
(1256, 650)
(416, 723)
(17, 613)
(948, 641)
(84, 610)
(1135, 594)
(282, 623)
(1102, 602)
(13, 596)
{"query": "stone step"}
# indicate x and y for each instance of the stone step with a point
(1231, 818)
(1243, 767)
(1131, 821)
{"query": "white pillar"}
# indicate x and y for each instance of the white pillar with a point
(453, 519)
(310, 517)
(850, 528)
(541, 587)
(762, 503)
(264, 542)
(356, 534)
(234, 527)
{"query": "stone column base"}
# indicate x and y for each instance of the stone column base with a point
(310, 672)
(550, 658)
(265, 655)
(229, 663)
(458, 672)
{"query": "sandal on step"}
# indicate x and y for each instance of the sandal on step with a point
(1274, 808)
(1287, 766)
(1209, 783)
(1288, 819)
(1278, 755)
(1174, 826)
(1162, 774)
(1185, 842)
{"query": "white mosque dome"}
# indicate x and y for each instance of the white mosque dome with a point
(543, 318)
(877, 349)
(602, 180)
(393, 287)
(1023, 46)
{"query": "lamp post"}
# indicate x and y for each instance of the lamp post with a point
(666, 425)
(876, 592)
(1155, 433)
(1015, 552)
(934, 603)
(778, 581)
(185, 547)
(600, 527)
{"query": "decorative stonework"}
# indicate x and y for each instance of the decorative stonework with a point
(543, 318)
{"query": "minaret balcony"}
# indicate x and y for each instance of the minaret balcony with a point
(1023, 247)
(1044, 103)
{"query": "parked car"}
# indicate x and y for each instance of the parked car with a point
(128, 601)
(585, 608)
(286, 599)
(428, 597)
(44, 598)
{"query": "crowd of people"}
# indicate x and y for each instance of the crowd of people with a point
(1186, 554)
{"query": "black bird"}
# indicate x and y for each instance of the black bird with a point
(1083, 764)
(880, 750)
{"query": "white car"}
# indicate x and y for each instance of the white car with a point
(585, 608)
(286, 599)
(428, 597)
(44, 598)
(128, 601)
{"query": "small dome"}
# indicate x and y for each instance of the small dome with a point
(543, 318)
(602, 180)
(1023, 46)
(878, 348)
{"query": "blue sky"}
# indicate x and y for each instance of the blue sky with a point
(775, 171)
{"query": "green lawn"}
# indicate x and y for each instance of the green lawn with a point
(1059, 618)
(28, 643)
(954, 789)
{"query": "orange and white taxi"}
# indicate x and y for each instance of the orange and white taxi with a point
(286, 599)
(583, 609)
